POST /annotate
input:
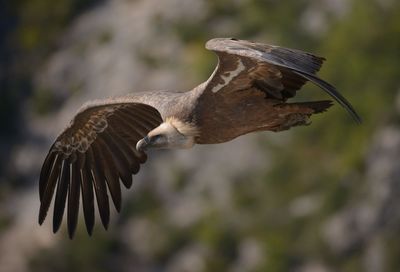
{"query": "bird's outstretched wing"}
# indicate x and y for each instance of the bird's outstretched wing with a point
(93, 154)
(277, 71)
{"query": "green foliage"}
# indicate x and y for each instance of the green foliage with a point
(43, 101)
(35, 26)
(83, 256)
(40, 21)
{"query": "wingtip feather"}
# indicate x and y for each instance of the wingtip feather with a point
(328, 88)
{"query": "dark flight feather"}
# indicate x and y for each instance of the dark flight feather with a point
(110, 174)
(45, 172)
(334, 93)
(119, 158)
(61, 195)
(139, 127)
(87, 196)
(73, 198)
(49, 189)
(99, 184)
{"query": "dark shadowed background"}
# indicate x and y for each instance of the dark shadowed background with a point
(320, 198)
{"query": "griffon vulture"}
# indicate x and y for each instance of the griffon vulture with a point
(107, 139)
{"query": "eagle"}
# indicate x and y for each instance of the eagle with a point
(106, 142)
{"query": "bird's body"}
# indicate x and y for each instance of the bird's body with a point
(107, 140)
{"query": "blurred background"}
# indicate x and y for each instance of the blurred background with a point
(320, 198)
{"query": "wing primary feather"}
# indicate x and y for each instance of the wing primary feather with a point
(100, 188)
(150, 113)
(61, 195)
(148, 119)
(151, 119)
(126, 150)
(46, 171)
(119, 158)
(49, 189)
(129, 125)
(110, 173)
(297, 59)
(87, 196)
(73, 197)
(132, 136)
(333, 93)
(139, 127)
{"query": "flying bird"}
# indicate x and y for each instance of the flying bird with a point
(107, 140)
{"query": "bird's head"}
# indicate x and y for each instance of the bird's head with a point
(169, 135)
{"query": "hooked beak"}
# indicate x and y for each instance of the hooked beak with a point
(142, 144)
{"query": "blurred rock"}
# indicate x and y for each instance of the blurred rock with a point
(189, 259)
(304, 205)
(250, 256)
(143, 237)
(361, 224)
(313, 267)
(24, 237)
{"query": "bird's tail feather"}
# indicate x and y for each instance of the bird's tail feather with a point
(332, 92)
